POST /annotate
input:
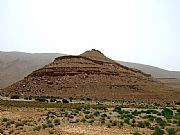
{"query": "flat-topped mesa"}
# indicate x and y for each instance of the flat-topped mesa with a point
(90, 74)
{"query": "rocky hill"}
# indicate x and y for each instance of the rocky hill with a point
(25, 63)
(92, 75)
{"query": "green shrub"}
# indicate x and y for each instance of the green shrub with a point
(104, 115)
(18, 124)
(76, 111)
(146, 123)
(174, 121)
(70, 99)
(130, 116)
(158, 131)
(53, 100)
(169, 121)
(50, 112)
(87, 107)
(51, 132)
(136, 133)
(78, 108)
(37, 128)
(77, 120)
(126, 112)
(14, 97)
(151, 127)
(127, 120)
(89, 116)
(171, 131)
(11, 131)
(91, 121)
(167, 113)
(44, 126)
(160, 122)
(49, 121)
(83, 120)
(57, 122)
(118, 110)
(102, 121)
(1, 131)
(8, 123)
(178, 110)
(121, 123)
(178, 122)
(65, 101)
(100, 107)
(159, 114)
(114, 123)
(50, 125)
(141, 124)
(97, 113)
(41, 100)
(155, 111)
(177, 129)
(4, 120)
(30, 98)
(87, 112)
(148, 111)
(150, 118)
(88, 99)
(133, 121)
(135, 113)
(109, 125)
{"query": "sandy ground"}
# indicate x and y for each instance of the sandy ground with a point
(100, 130)
(91, 130)
(67, 129)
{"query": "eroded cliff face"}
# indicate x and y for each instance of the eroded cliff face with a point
(90, 74)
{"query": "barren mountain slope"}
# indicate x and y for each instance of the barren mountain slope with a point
(92, 75)
(154, 71)
(14, 66)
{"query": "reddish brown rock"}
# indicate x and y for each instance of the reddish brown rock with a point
(92, 75)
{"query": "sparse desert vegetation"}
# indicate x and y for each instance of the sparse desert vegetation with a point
(36, 117)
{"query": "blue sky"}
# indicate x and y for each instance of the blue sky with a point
(140, 31)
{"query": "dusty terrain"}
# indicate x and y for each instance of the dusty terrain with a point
(77, 119)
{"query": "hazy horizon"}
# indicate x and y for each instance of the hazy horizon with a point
(141, 31)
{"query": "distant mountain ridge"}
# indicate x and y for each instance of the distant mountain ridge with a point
(14, 66)
(154, 71)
